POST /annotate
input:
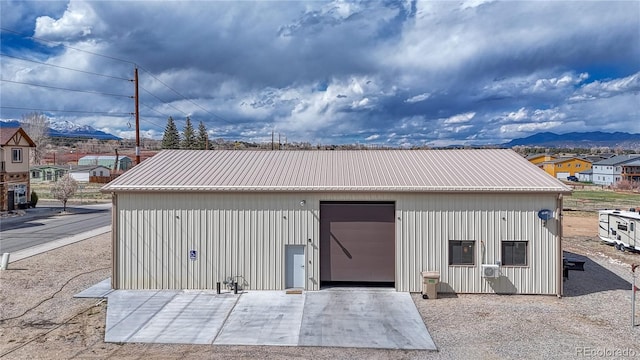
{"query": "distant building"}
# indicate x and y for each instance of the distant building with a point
(46, 173)
(539, 159)
(562, 168)
(84, 173)
(609, 171)
(124, 162)
(15, 188)
(631, 171)
(585, 176)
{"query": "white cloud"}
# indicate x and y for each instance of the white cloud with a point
(529, 127)
(520, 115)
(418, 98)
(372, 137)
(460, 118)
(78, 21)
(605, 89)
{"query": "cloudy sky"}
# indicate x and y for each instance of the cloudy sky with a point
(395, 73)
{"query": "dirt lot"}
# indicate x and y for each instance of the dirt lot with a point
(40, 319)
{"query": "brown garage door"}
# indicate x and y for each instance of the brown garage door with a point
(357, 242)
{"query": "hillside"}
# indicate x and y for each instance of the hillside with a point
(579, 140)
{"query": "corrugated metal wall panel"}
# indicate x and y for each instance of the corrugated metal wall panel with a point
(245, 235)
(427, 223)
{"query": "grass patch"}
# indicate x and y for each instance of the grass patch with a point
(87, 192)
(591, 200)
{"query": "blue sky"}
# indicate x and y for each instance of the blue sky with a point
(394, 73)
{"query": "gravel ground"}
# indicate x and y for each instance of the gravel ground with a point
(40, 319)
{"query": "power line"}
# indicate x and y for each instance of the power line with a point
(184, 97)
(66, 111)
(66, 89)
(103, 75)
(66, 68)
(159, 112)
(163, 101)
(66, 46)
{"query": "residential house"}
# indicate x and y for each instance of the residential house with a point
(539, 159)
(609, 171)
(85, 173)
(15, 188)
(631, 171)
(124, 163)
(47, 173)
(562, 168)
(585, 176)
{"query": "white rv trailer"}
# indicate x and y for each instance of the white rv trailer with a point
(620, 228)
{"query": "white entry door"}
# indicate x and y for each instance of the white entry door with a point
(295, 274)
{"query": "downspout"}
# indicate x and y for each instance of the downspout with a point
(114, 241)
(560, 265)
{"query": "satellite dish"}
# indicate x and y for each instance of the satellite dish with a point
(545, 214)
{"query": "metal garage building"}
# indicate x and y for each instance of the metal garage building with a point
(487, 220)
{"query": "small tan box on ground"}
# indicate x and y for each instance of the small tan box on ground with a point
(430, 280)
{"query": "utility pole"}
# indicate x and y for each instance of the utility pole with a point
(137, 117)
(271, 139)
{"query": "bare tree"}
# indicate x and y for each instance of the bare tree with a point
(37, 127)
(64, 189)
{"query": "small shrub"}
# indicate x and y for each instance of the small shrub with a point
(625, 185)
(34, 199)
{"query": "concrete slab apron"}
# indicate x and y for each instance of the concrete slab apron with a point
(264, 318)
(172, 317)
(369, 319)
(99, 290)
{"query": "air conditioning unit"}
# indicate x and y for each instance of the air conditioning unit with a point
(490, 271)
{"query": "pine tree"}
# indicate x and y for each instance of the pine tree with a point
(188, 136)
(203, 137)
(171, 137)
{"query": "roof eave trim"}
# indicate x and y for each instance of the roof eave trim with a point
(151, 188)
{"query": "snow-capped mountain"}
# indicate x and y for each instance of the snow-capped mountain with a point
(64, 126)
(69, 130)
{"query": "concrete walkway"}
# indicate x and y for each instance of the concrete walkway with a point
(35, 250)
(355, 317)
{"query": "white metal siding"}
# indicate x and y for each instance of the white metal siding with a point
(246, 233)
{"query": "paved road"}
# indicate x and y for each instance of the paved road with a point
(45, 224)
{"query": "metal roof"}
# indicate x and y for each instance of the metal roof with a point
(619, 159)
(493, 170)
(104, 157)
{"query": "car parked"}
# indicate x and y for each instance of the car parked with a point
(572, 178)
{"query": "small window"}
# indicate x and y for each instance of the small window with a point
(568, 165)
(101, 173)
(94, 173)
(578, 165)
(631, 226)
(461, 252)
(514, 253)
(16, 155)
(622, 227)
